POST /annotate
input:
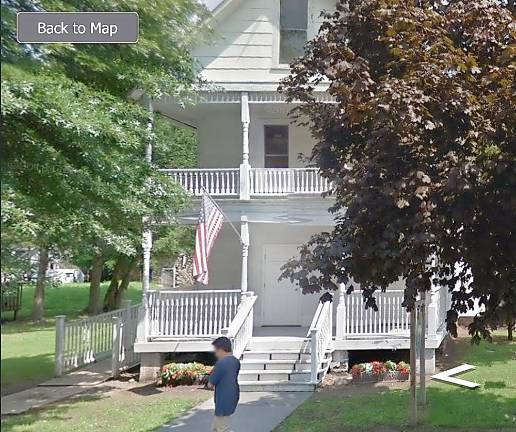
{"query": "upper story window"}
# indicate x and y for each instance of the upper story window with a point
(293, 29)
(276, 146)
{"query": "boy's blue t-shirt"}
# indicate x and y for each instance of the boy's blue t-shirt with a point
(225, 379)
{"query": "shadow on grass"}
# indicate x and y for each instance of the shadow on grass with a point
(59, 411)
(387, 409)
(20, 373)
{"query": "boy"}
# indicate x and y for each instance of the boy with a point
(225, 380)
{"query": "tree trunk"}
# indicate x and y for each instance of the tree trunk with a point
(94, 303)
(119, 282)
(510, 328)
(38, 303)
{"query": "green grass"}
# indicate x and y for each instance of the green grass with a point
(121, 412)
(493, 406)
(27, 347)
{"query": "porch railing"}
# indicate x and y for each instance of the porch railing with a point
(195, 313)
(217, 181)
(390, 319)
(283, 181)
(320, 333)
(107, 335)
(240, 330)
(257, 181)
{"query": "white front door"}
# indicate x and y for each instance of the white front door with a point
(281, 299)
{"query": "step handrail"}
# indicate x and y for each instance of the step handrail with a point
(320, 338)
(240, 330)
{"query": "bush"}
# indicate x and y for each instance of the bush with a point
(176, 374)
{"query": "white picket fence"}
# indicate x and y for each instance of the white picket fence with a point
(107, 335)
(195, 313)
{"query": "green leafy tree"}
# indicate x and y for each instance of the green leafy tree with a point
(419, 146)
(74, 144)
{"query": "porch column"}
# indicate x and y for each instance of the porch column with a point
(432, 313)
(147, 233)
(141, 332)
(341, 313)
(244, 233)
(245, 168)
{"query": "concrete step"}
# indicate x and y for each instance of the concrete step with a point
(279, 343)
(284, 354)
(276, 386)
(273, 375)
(287, 365)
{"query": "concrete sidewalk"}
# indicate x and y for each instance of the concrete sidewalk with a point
(57, 388)
(256, 412)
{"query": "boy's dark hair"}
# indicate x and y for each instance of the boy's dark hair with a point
(222, 343)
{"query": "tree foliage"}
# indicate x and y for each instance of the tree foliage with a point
(73, 162)
(420, 148)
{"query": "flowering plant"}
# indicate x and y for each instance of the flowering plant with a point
(175, 374)
(390, 365)
(357, 369)
(403, 367)
(380, 370)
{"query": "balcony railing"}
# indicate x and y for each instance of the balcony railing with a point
(285, 181)
(216, 181)
(260, 182)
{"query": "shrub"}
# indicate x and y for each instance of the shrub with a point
(175, 374)
(403, 367)
(380, 370)
(390, 365)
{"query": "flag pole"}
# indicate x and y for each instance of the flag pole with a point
(223, 214)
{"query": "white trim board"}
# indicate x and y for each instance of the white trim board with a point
(446, 376)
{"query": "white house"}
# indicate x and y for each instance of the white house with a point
(249, 160)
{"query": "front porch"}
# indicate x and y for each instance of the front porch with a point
(188, 321)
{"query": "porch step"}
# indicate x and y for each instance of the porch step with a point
(279, 364)
(273, 375)
(282, 365)
(276, 386)
(279, 343)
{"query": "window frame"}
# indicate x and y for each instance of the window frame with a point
(277, 33)
(281, 155)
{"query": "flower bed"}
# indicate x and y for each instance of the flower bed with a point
(380, 371)
(176, 374)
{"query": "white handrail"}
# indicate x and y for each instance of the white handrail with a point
(320, 338)
(88, 340)
(240, 331)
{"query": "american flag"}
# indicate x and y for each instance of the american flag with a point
(208, 228)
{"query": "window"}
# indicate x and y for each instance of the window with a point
(276, 146)
(293, 25)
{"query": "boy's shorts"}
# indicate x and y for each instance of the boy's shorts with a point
(220, 424)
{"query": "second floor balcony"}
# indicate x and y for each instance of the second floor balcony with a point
(246, 182)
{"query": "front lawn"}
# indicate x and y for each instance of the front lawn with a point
(368, 407)
(28, 348)
(122, 411)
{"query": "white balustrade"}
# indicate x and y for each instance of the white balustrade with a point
(390, 319)
(216, 181)
(240, 330)
(84, 341)
(201, 313)
(321, 337)
(283, 181)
